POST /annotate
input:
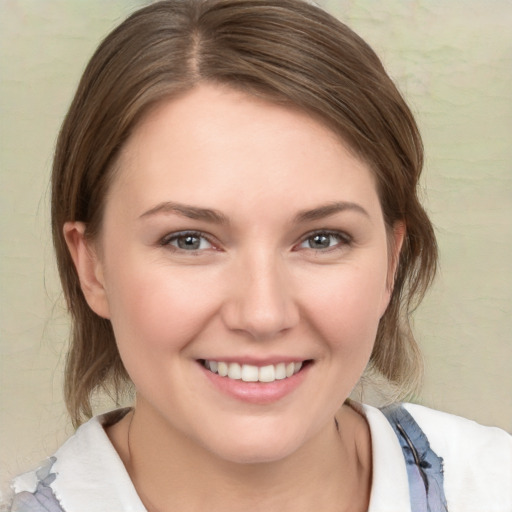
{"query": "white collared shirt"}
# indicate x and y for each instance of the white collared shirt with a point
(89, 474)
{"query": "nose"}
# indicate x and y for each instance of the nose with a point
(260, 300)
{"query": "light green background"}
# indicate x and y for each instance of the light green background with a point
(453, 61)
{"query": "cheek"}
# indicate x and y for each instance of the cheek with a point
(158, 308)
(347, 306)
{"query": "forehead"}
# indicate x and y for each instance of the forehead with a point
(217, 145)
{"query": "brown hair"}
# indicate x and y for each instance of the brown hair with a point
(286, 51)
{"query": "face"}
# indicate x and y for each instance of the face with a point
(240, 238)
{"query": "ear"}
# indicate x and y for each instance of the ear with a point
(396, 240)
(396, 237)
(88, 266)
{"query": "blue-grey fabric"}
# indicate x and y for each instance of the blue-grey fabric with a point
(424, 467)
(43, 499)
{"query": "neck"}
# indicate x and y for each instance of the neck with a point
(331, 472)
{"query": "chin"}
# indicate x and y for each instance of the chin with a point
(255, 453)
(256, 445)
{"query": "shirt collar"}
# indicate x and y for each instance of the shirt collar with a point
(390, 484)
(90, 473)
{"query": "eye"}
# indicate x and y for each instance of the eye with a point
(187, 241)
(322, 240)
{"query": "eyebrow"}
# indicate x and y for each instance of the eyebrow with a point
(216, 217)
(329, 209)
(185, 210)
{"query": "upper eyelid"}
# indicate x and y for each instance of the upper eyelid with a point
(342, 234)
(187, 232)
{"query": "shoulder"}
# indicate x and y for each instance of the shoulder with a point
(33, 492)
(464, 438)
(477, 460)
(85, 469)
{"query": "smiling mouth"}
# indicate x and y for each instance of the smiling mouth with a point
(252, 373)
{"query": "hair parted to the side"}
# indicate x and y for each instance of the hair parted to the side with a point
(286, 51)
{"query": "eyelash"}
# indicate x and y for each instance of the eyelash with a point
(343, 240)
(174, 237)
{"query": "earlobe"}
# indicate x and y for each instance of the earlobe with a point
(88, 266)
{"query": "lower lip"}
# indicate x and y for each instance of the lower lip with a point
(260, 393)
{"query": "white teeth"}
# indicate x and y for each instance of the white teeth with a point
(267, 373)
(251, 373)
(280, 371)
(222, 369)
(235, 371)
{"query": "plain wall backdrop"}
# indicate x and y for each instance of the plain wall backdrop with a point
(453, 62)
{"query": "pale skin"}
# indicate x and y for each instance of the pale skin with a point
(238, 230)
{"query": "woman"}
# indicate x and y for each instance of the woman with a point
(239, 236)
